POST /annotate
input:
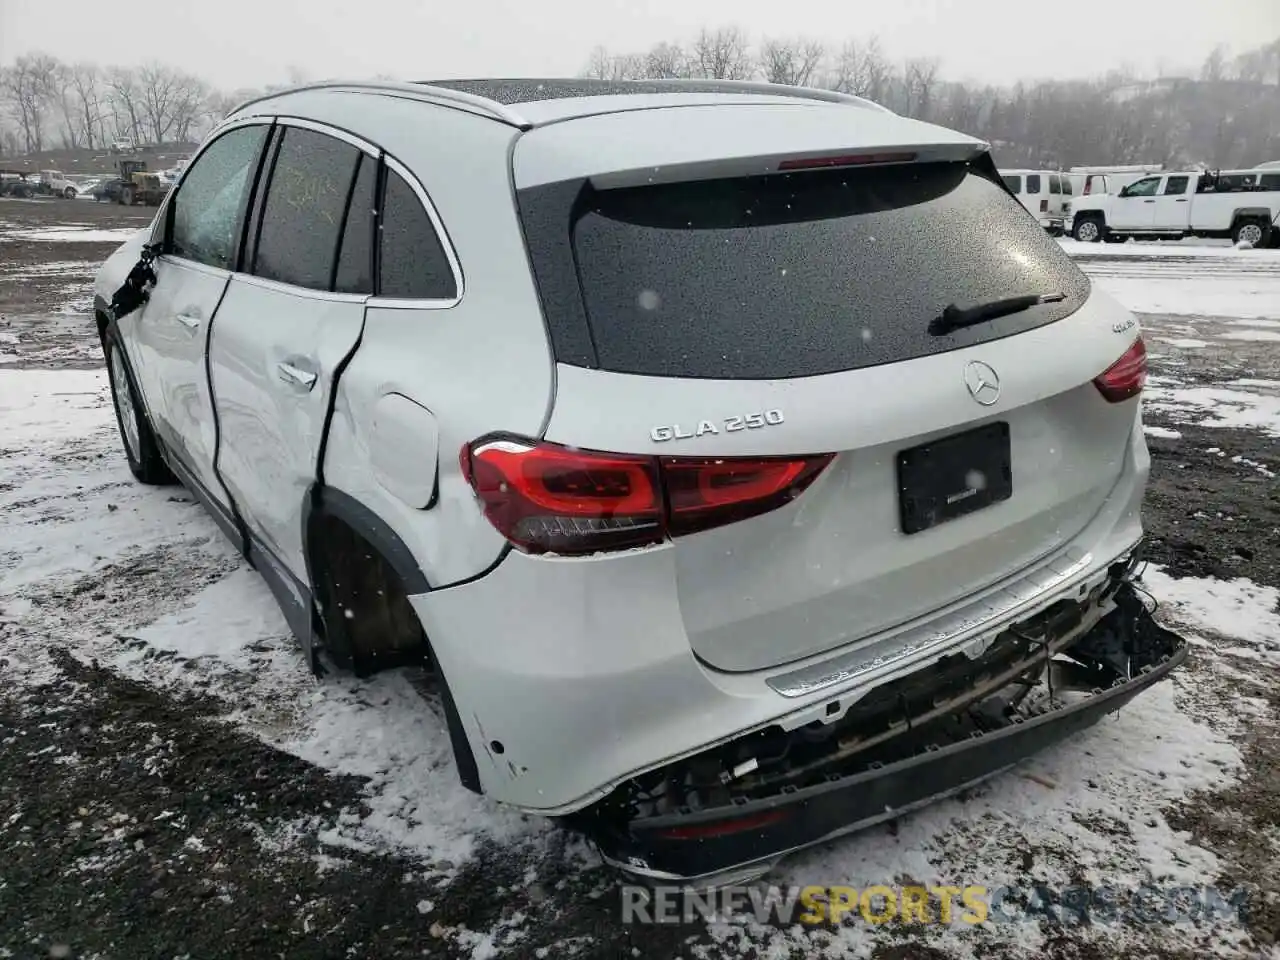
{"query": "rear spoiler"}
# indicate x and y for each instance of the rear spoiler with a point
(734, 167)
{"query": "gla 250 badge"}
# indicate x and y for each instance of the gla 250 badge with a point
(750, 421)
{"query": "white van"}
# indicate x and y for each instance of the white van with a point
(1046, 193)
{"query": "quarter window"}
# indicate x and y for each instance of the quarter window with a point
(304, 214)
(413, 264)
(208, 209)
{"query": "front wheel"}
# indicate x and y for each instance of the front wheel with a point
(126, 196)
(140, 447)
(69, 193)
(1088, 230)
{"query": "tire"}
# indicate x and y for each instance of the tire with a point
(1256, 233)
(127, 196)
(69, 193)
(1088, 230)
(140, 447)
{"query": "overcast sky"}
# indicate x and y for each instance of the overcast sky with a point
(241, 43)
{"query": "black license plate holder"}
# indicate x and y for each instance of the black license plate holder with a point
(954, 476)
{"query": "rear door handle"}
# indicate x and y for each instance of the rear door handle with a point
(1148, 201)
(190, 321)
(295, 375)
(1181, 200)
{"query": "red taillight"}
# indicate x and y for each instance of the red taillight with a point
(848, 160)
(1126, 377)
(546, 498)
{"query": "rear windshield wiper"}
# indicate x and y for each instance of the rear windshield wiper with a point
(954, 318)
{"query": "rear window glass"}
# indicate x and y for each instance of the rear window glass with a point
(788, 275)
(1014, 183)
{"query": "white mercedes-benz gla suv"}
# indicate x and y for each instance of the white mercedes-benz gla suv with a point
(746, 462)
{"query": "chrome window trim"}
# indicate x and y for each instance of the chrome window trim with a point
(278, 286)
(446, 244)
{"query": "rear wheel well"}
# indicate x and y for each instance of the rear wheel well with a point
(369, 624)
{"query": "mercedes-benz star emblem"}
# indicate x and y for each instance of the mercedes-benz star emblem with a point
(982, 381)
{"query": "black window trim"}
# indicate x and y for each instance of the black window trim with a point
(368, 149)
(393, 165)
(164, 217)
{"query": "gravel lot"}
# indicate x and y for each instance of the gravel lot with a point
(177, 785)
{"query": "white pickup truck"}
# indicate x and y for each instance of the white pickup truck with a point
(1243, 205)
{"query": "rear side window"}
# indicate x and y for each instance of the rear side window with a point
(1176, 185)
(1033, 183)
(1066, 186)
(1271, 181)
(1013, 182)
(208, 209)
(304, 213)
(787, 275)
(1055, 183)
(413, 264)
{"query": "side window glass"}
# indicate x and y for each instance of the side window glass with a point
(1055, 185)
(1144, 188)
(303, 215)
(412, 260)
(1271, 181)
(355, 258)
(1033, 183)
(1066, 186)
(208, 208)
(1013, 182)
(1176, 185)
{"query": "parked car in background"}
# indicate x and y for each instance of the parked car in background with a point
(1243, 205)
(15, 183)
(1043, 192)
(1114, 177)
(55, 183)
(122, 145)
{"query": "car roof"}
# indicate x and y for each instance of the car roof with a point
(530, 102)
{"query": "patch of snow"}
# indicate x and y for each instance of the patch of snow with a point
(1260, 336)
(1183, 343)
(73, 234)
(1238, 609)
(1162, 432)
(1218, 407)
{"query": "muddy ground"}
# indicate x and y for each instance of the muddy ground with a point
(139, 822)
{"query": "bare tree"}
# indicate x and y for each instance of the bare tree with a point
(791, 61)
(920, 78)
(1215, 65)
(862, 70)
(599, 64)
(666, 60)
(124, 96)
(68, 107)
(28, 87)
(84, 81)
(722, 54)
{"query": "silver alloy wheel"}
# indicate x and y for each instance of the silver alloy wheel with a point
(1088, 231)
(1251, 233)
(124, 403)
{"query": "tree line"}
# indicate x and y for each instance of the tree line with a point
(1225, 114)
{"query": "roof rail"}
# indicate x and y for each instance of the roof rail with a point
(417, 91)
(783, 89)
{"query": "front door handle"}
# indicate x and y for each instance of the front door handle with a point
(1181, 200)
(295, 375)
(1148, 201)
(190, 321)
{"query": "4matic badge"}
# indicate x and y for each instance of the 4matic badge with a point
(749, 421)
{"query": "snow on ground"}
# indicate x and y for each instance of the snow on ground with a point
(71, 233)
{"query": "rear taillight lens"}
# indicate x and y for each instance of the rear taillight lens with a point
(1126, 377)
(546, 498)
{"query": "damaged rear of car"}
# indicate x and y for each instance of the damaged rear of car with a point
(838, 502)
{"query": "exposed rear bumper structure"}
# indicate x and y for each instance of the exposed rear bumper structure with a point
(729, 815)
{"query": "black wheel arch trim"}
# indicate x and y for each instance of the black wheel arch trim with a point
(329, 501)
